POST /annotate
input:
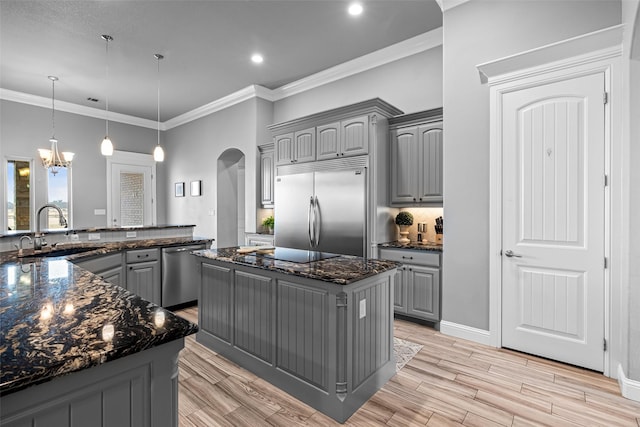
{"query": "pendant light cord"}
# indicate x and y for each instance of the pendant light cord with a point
(158, 57)
(107, 75)
(53, 107)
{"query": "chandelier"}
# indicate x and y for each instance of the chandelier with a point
(51, 158)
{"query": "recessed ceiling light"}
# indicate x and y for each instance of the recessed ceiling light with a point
(355, 9)
(257, 58)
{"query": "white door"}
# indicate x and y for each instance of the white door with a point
(131, 190)
(554, 220)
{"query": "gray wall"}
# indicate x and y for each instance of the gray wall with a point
(631, 18)
(412, 84)
(477, 32)
(25, 128)
(193, 150)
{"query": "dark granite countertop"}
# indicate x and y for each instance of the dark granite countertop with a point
(57, 317)
(341, 270)
(416, 246)
(97, 229)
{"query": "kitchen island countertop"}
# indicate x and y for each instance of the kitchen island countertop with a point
(58, 318)
(340, 269)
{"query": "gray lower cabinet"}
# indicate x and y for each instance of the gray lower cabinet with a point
(144, 274)
(109, 267)
(329, 345)
(138, 390)
(417, 283)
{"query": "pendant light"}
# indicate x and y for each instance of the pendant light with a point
(106, 148)
(51, 158)
(158, 152)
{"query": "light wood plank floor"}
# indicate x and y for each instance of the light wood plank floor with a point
(450, 382)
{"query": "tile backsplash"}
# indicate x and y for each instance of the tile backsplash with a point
(426, 215)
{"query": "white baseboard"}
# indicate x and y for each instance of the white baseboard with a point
(629, 388)
(466, 332)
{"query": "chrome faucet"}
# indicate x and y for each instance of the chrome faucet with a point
(38, 240)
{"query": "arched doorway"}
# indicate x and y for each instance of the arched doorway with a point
(231, 184)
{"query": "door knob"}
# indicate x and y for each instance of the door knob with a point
(510, 254)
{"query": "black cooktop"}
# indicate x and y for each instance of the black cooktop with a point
(300, 256)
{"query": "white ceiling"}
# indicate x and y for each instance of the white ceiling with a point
(207, 46)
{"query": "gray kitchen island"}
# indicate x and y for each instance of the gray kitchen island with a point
(317, 325)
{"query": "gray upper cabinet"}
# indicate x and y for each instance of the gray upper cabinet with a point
(416, 142)
(328, 141)
(346, 138)
(267, 174)
(295, 147)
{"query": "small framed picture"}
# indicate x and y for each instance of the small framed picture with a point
(179, 189)
(196, 188)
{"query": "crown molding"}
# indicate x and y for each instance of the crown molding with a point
(249, 92)
(403, 49)
(82, 110)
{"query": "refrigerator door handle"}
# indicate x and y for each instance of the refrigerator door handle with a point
(317, 222)
(310, 213)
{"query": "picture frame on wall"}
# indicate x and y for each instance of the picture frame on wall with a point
(179, 189)
(196, 188)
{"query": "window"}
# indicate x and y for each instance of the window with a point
(19, 201)
(58, 194)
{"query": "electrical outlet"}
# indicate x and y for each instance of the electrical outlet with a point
(363, 308)
(99, 211)
(94, 236)
(131, 234)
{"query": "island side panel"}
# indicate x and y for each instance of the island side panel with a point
(214, 304)
(303, 333)
(318, 338)
(253, 315)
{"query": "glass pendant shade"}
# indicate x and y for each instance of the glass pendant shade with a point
(158, 154)
(106, 148)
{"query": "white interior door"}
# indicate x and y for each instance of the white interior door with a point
(131, 190)
(554, 220)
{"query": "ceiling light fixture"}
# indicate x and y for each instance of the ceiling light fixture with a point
(158, 152)
(106, 148)
(355, 9)
(257, 58)
(51, 157)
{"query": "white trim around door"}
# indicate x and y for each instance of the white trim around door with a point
(509, 78)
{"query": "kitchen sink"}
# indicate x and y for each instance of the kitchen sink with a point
(60, 252)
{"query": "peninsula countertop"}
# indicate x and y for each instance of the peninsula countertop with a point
(58, 318)
(338, 269)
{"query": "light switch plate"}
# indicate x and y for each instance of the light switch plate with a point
(99, 211)
(363, 308)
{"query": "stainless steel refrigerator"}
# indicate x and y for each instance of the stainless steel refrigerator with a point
(322, 210)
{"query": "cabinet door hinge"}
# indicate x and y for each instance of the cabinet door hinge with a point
(606, 262)
(605, 97)
(604, 344)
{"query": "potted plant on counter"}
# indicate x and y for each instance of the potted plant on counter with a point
(404, 220)
(268, 224)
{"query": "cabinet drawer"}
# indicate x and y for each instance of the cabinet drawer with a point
(412, 257)
(142, 255)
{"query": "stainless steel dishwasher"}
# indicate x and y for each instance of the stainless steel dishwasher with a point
(180, 275)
